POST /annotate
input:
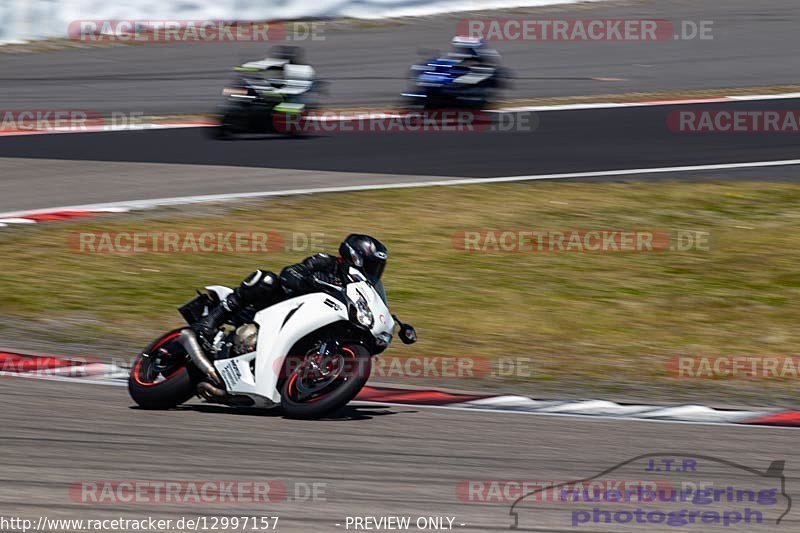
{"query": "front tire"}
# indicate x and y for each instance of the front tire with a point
(161, 377)
(355, 371)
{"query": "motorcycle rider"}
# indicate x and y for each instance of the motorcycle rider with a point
(264, 288)
(473, 50)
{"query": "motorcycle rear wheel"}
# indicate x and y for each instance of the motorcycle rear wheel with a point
(161, 378)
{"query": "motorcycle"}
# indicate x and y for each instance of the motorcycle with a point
(274, 95)
(310, 354)
(466, 77)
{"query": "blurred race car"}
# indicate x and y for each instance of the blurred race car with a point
(468, 76)
(272, 95)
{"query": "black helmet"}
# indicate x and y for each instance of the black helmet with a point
(292, 54)
(365, 253)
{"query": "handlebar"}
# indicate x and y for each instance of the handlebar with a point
(318, 282)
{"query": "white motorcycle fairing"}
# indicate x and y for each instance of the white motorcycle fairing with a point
(281, 326)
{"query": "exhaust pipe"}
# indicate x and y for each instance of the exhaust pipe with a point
(215, 395)
(190, 343)
(210, 392)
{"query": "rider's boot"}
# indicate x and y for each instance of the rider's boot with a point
(207, 327)
(259, 289)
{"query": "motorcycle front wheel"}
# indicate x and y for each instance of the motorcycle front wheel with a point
(320, 385)
(160, 377)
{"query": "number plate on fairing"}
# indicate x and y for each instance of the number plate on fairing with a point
(231, 374)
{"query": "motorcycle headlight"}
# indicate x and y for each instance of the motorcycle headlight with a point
(363, 314)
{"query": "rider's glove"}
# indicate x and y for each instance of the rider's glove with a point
(299, 278)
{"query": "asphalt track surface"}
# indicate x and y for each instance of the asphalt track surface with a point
(754, 44)
(564, 141)
(373, 460)
(561, 142)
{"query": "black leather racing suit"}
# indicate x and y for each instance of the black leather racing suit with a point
(297, 279)
(263, 288)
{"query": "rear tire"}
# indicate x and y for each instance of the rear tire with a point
(357, 373)
(178, 385)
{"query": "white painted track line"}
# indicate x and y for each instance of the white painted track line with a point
(181, 200)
